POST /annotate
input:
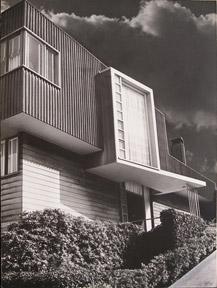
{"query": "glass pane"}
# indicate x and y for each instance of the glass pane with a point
(13, 155)
(34, 52)
(122, 153)
(119, 115)
(137, 123)
(3, 57)
(117, 88)
(14, 52)
(2, 158)
(51, 65)
(121, 134)
(117, 78)
(120, 125)
(121, 144)
(119, 106)
(118, 96)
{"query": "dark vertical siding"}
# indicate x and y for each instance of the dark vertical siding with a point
(162, 139)
(90, 195)
(40, 98)
(12, 19)
(76, 100)
(72, 108)
(11, 99)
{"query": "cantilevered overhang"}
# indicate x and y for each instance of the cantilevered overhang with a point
(160, 180)
(23, 122)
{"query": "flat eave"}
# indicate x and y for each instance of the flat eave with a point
(157, 179)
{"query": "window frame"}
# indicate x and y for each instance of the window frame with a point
(23, 55)
(6, 156)
(7, 58)
(121, 79)
(43, 58)
(3, 158)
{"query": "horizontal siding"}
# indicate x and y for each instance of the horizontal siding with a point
(11, 93)
(52, 179)
(157, 208)
(11, 198)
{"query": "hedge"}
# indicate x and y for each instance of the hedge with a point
(181, 226)
(160, 272)
(176, 228)
(51, 249)
(45, 240)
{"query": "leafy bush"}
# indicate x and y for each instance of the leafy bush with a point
(51, 249)
(181, 226)
(175, 229)
(59, 278)
(48, 239)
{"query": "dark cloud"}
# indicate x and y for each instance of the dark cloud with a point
(164, 45)
(110, 8)
(168, 48)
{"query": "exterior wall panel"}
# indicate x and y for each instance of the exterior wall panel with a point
(72, 108)
(11, 198)
(55, 179)
(11, 99)
(12, 19)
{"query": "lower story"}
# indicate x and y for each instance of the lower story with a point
(36, 175)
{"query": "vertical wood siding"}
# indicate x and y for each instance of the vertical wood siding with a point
(12, 19)
(76, 101)
(72, 108)
(54, 178)
(11, 93)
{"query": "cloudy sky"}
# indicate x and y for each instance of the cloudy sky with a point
(167, 45)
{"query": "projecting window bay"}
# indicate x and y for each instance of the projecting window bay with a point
(133, 122)
(39, 57)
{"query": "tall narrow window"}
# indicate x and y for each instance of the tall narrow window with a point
(2, 158)
(3, 58)
(14, 52)
(35, 54)
(51, 59)
(12, 155)
(137, 132)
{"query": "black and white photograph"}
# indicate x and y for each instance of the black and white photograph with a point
(108, 114)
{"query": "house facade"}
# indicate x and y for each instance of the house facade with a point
(83, 137)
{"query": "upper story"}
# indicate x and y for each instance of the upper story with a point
(54, 88)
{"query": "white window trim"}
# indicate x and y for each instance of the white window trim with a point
(151, 115)
(12, 156)
(3, 142)
(7, 162)
(45, 46)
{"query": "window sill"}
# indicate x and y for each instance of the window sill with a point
(10, 175)
(32, 71)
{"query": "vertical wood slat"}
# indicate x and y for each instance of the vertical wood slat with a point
(76, 110)
(11, 95)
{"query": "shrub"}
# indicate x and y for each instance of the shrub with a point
(175, 229)
(45, 240)
(180, 226)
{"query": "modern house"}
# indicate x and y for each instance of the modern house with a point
(84, 137)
